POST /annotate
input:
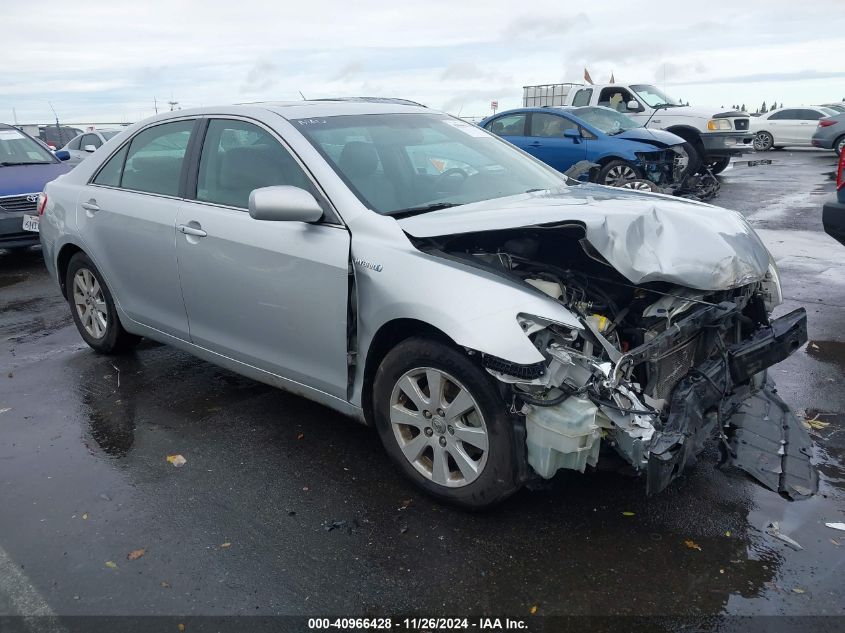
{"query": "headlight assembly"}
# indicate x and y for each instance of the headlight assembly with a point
(718, 124)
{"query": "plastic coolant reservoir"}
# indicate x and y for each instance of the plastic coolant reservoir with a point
(563, 436)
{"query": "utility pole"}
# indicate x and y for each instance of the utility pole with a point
(15, 117)
(155, 104)
(173, 105)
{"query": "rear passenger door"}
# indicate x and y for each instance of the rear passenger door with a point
(273, 295)
(511, 127)
(548, 143)
(807, 125)
(127, 216)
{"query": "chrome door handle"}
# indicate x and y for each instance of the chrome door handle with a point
(90, 206)
(190, 230)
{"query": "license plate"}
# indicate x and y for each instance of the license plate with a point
(30, 223)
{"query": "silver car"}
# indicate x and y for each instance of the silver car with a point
(830, 133)
(86, 144)
(494, 321)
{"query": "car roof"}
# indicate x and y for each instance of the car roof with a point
(305, 109)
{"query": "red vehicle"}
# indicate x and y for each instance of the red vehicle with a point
(833, 212)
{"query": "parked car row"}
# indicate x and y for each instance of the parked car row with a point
(788, 127)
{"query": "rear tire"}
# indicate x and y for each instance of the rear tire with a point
(839, 145)
(92, 307)
(458, 447)
(617, 172)
(763, 141)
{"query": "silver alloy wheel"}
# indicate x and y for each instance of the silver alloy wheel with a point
(763, 141)
(639, 185)
(90, 303)
(439, 427)
(618, 175)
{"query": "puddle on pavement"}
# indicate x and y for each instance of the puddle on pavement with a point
(11, 280)
(827, 351)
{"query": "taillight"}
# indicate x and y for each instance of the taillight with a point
(826, 122)
(840, 173)
(42, 203)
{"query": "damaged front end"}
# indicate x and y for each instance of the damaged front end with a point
(654, 371)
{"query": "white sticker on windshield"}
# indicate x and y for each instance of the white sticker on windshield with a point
(468, 128)
(10, 135)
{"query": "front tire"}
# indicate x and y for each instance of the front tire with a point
(444, 424)
(719, 165)
(839, 145)
(763, 141)
(690, 158)
(617, 172)
(92, 307)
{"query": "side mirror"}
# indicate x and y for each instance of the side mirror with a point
(633, 106)
(573, 133)
(90, 148)
(284, 204)
(62, 154)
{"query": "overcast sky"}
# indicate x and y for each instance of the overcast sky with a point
(106, 60)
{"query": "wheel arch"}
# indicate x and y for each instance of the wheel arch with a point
(66, 252)
(689, 134)
(388, 336)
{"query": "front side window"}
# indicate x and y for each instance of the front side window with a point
(155, 156)
(615, 98)
(508, 125)
(550, 125)
(238, 157)
(401, 164)
(16, 148)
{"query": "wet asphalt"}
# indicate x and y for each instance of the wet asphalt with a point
(285, 507)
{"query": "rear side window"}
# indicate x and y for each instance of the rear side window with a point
(238, 157)
(582, 97)
(785, 114)
(111, 172)
(508, 125)
(155, 156)
(90, 139)
(810, 115)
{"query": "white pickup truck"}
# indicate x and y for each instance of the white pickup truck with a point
(711, 136)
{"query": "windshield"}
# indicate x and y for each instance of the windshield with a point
(653, 96)
(107, 134)
(829, 111)
(412, 163)
(607, 120)
(16, 148)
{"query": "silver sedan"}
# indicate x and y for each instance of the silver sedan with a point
(496, 322)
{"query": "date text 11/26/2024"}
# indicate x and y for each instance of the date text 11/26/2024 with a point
(417, 624)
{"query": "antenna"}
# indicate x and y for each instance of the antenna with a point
(58, 127)
(15, 117)
(302, 95)
(155, 104)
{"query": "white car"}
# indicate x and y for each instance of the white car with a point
(787, 126)
(86, 144)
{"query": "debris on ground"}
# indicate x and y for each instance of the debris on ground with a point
(533, 609)
(5, 409)
(836, 526)
(84, 516)
(773, 529)
(336, 525)
(177, 460)
(164, 584)
(135, 554)
(692, 544)
(835, 542)
(111, 564)
(405, 504)
(627, 513)
(226, 545)
(798, 590)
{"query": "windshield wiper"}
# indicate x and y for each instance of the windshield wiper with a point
(425, 208)
(10, 163)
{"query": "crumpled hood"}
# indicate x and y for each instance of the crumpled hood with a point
(660, 138)
(646, 237)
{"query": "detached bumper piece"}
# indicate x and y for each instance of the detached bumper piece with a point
(769, 442)
(764, 437)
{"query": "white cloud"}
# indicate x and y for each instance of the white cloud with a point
(445, 54)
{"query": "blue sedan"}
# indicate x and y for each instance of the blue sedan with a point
(561, 137)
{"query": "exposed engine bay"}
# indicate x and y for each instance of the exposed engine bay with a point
(655, 370)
